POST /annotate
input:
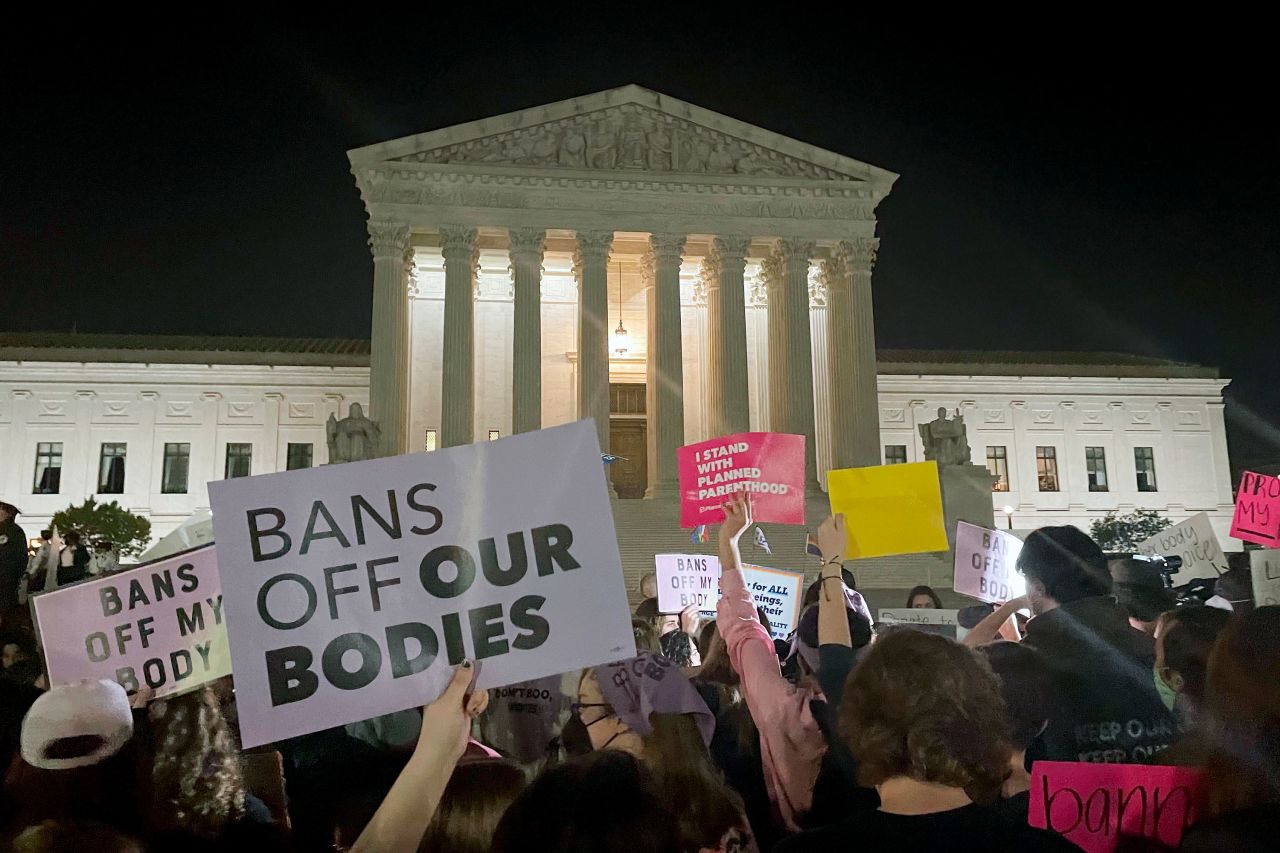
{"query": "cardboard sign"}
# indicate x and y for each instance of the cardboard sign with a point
(354, 590)
(889, 509)
(769, 465)
(159, 624)
(685, 579)
(1195, 542)
(944, 622)
(1264, 568)
(1094, 805)
(1257, 517)
(986, 564)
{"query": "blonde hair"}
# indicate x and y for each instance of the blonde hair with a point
(197, 782)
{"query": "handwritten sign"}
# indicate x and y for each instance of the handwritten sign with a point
(1264, 569)
(354, 590)
(769, 465)
(1195, 542)
(685, 579)
(930, 620)
(1095, 805)
(1257, 517)
(158, 625)
(889, 509)
(985, 564)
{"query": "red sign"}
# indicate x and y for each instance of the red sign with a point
(769, 465)
(1257, 517)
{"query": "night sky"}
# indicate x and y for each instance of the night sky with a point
(1091, 196)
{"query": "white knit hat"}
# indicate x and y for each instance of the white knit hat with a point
(89, 709)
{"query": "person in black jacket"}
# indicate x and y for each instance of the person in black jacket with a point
(13, 556)
(1107, 708)
(73, 562)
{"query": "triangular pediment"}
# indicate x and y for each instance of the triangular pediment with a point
(630, 129)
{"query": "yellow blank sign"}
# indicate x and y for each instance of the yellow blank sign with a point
(889, 509)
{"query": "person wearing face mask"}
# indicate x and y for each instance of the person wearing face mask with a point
(1106, 707)
(1184, 641)
(646, 707)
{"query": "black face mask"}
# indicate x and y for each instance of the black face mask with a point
(574, 736)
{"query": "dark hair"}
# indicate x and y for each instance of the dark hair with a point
(924, 590)
(73, 834)
(648, 609)
(859, 627)
(1187, 636)
(689, 783)
(924, 706)
(71, 538)
(1143, 602)
(764, 620)
(1236, 586)
(677, 646)
(706, 634)
(1066, 562)
(1026, 685)
(46, 535)
(1242, 713)
(475, 799)
(811, 594)
(605, 802)
(646, 635)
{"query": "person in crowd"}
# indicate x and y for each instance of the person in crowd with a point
(923, 598)
(648, 586)
(925, 722)
(811, 594)
(104, 560)
(44, 560)
(13, 557)
(664, 623)
(1106, 707)
(646, 707)
(401, 821)
(478, 794)
(791, 738)
(1241, 780)
(73, 561)
(647, 639)
(603, 802)
(57, 836)
(1027, 690)
(1235, 586)
(19, 658)
(1184, 638)
(679, 648)
(1139, 589)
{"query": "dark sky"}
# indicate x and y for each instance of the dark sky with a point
(1084, 196)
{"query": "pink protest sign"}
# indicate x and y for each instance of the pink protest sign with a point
(1257, 517)
(159, 624)
(769, 465)
(1095, 805)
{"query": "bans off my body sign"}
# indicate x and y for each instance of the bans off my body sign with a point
(353, 590)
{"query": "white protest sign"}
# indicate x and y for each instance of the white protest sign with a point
(1195, 542)
(159, 625)
(685, 579)
(1264, 568)
(944, 622)
(986, 564)
(353, 590)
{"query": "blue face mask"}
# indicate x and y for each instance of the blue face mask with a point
(1167, 693)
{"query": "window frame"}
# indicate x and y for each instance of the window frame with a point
(1095, 466)
(1148, 471)
(238, 455)
(49, 456)
(891, 459)
(1001, 460)
(288, 455)
(167, 458)
(103, 467)
(1047, 453)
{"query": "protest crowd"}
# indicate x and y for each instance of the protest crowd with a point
(849, 734)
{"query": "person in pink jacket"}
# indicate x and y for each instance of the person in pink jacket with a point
(791, 742)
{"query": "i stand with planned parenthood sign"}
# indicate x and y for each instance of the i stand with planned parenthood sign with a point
(354, 590)
(768, 465)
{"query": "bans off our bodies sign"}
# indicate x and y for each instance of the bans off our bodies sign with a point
(353, 590)
(158, 625)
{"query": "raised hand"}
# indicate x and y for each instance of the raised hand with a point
(737, 516)
(832, 538)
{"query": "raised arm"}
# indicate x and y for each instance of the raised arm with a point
(990, 627)
(833, 624)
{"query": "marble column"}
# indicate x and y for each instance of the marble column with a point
(389, 347)
(458, 396)
(527, 246)
(727, 408)
(786, 274)
(851, 355)
(591, 268)
(664, 369)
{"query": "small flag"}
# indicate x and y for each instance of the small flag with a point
(761, 542)
(811, 545)
(608, 458)
(699, 535)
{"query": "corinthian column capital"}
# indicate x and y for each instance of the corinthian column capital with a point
(665, 249)
(730, 249)
(861, 253)
(795, 254)
(592, 248)
(527, 244)
(388, 239)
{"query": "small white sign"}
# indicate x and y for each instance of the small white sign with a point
(986, 564)
(1264, 568)
(944, 622)
(1195, 542)
(685, 579)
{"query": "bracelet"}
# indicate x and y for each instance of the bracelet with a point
(836, 561)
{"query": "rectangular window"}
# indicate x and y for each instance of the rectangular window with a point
(1047, 468)
(239, 460)
(493, 433)
(1144, 460)
(430, 443)
(48, 468)
(998, 465)
(895, 454)
(1095, 464)
(177, 461)
(111, 469)
(299, 456)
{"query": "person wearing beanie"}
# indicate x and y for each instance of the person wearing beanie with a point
(13, 557)
(1106, 707)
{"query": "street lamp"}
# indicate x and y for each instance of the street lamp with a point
(1008, 515)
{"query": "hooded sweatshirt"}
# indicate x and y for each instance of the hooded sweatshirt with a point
(1107, 708)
